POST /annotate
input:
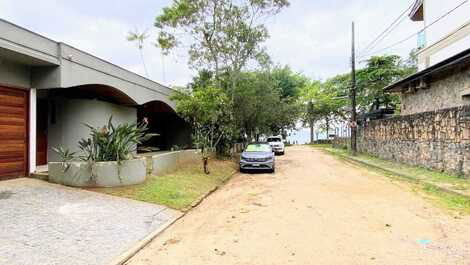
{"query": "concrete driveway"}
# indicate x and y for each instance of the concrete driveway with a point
(43, 223)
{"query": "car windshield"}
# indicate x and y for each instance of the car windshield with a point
(274, 139)
(258, 148)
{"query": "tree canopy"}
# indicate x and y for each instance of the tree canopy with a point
(219, 34)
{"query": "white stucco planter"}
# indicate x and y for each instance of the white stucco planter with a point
(100, 174)
(167, 162)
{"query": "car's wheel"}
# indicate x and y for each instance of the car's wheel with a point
(242, 170)
(273, 170)
(283, 152)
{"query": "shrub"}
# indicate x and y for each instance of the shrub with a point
(109, 143)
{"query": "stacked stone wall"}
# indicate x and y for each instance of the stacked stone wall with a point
(437, 139)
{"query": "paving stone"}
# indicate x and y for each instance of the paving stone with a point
(43, 223)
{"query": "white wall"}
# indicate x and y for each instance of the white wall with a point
(443, 38)
(70, 114)
(32, 130)
(450, 50)
(433, 9)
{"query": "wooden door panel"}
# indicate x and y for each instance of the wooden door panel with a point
(13, 132)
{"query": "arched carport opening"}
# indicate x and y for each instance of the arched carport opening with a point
(61, 113)
(173, 132)
(95, 92)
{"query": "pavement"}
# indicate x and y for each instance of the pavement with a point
(316, 209)
(48, 224)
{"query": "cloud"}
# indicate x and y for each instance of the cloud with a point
(316, 38)
(313, 37)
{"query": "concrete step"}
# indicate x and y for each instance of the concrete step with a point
(42, 175)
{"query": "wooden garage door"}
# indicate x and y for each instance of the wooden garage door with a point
(13, 132)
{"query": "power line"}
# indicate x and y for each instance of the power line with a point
(414, 34)
(387, 31)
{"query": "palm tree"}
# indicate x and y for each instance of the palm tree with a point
(139, 37)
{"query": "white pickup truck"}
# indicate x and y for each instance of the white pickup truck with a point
(277, 144)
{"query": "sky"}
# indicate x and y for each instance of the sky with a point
(313, 37)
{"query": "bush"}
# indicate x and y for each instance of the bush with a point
(109, 143)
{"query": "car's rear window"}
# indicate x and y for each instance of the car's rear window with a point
(276, 139)
(258, 148)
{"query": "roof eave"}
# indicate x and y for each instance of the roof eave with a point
(460, 58)
(416, 13)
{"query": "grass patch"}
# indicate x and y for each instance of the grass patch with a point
(179, 189)
(450, 191)
(448, 200)
(320, 145)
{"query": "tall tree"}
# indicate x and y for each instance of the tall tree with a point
(208, 111)
(222, 35)
(139, 38)
(321, 104)
(379, 72)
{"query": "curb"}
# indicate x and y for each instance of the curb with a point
(127, 255)
(199, 200)
(402, 176)
(207, 194)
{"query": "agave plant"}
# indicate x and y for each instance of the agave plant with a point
(113, 143)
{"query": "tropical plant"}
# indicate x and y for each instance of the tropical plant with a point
(66, 156)
(140, 38)
(113, 143)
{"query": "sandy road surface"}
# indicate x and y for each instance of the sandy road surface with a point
(314, 210)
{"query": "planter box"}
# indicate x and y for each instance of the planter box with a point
(105, 174)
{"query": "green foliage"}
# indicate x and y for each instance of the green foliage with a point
(221, 34)
(64, 154)
(178, 189)
(322, 102)
(112, 143)
(288, 81)
(379, 72)
(261, 106)
(208, 111)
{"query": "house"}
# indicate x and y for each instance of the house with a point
(48, 89)
(442, 80)
(446, 29)
(433, 129)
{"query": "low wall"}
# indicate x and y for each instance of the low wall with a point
(110, 174)
(163, 163)
(99, 174)
(436, 140)
(341, 142)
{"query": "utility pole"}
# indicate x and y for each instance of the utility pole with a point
(353, 123)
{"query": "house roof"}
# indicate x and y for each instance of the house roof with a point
(445, 67)
(416, 13)
(59, 65)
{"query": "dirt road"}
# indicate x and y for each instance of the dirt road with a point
(314, 210)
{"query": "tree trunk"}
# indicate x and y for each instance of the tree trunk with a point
(327, 124)
(311, 131)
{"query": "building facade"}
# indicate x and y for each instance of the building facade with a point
(48, 89)
(433, 129)
(446, 29)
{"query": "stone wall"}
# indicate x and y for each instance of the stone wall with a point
(341, 142)
(437, 139)
(446, 92)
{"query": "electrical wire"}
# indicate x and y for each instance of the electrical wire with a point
(414, 34)
(387, 31)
